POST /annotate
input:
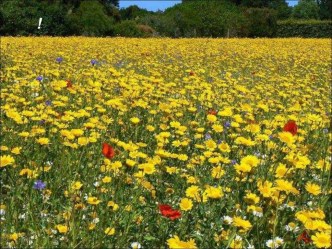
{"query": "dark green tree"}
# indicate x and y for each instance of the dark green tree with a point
(325, 9)
(91, 19)
(306, 9)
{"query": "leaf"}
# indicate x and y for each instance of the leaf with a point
(149, 238)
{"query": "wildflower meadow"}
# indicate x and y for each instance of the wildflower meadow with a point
(165, 143)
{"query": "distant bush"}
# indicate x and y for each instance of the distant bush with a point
(198, 19)
(304, 28)
(128, 28)
(262, 22)
(90, 19)
(306, 9)
(146, 30)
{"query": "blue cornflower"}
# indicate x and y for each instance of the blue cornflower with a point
(93, 62)
(227, 124)
(48, 102)
(39, 185)
(59, 59)
(207, 136)
(39, 78)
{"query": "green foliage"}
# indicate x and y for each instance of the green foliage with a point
(199, 19)
(21, 18)
(304, 28)
(127, 28)
(282, 8)
(325, 9)
(262, 22)
(90, 19)
(306, 9)
(133, 13)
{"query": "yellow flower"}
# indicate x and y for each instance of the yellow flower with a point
(217, 172)
(217, 128)
(14, 236)
(3, 148)
(224, 147)
(77, 132)
(211, 118)
(130, 163)
(83, 141)
(186, 204)
(281, 170)
(286, 137)
(24, 134)
(93, 200)
(193, 192)
(322, 240)
(239, 222)
(176, 243)
(266, 188)
(213, 192)
(110, 231)
(43, 141)
(135, 120)
(242, 168)
(251, 198)
(6, 160)
(236, 243)
(16, 150)
(286, 186)
(62, 228)
(313, 188)
(253, 161)
(148, 168)
(210, 145)
(76, 185)
(27, 172)
(106, 179)
(113, 205)
(150, 128)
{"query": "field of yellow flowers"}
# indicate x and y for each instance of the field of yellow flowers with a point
(165, 143)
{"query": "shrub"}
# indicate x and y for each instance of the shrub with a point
(304, 28)
(262, 22)
(128, 28)
(306, 9)
(90, 19)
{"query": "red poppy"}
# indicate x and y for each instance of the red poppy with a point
(167, 211)
(69, 84)
(291, 127)
(191, 73)
(108, 151)
(213, 112)
(304, 237)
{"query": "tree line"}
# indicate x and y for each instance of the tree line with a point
(191, 18)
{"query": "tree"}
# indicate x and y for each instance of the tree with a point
(306, 9)
(90, 19)
(325, 9)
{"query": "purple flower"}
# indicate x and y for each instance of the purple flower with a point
(48, 102)
(39, 185)
(93, 62)
(227, 124)
(233, 162)
(42, 121)
(39, 78)
(207, 136)
(271, 137)
(59, 59)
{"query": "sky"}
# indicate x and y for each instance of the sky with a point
(162, 5)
